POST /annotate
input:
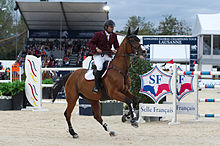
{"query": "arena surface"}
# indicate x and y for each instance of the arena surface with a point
(49, 128)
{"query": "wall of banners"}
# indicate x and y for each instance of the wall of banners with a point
(192, 41)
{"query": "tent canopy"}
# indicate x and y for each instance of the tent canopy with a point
(63, 15)
(207, 24)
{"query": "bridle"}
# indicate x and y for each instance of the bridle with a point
(130, 42)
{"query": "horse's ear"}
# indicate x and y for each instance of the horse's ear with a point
(129, 31)
(136, 31)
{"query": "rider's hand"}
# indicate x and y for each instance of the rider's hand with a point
(98, 50)
(114, 51)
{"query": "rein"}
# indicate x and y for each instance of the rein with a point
(125, 75)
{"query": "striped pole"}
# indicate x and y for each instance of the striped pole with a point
(209, 86)
(198, 73)
(210, 115)
(209, 100)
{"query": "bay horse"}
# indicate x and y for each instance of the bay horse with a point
(116, 81)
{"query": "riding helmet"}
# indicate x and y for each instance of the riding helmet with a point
(110, 23)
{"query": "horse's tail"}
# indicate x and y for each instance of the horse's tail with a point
(58, 86)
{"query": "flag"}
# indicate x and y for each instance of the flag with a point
(194, 62)
(171, 61)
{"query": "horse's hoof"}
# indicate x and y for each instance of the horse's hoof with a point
(112, 133)
(75, 135)
(135, 124)
(123, 118)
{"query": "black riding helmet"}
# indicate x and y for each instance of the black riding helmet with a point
(109, 23)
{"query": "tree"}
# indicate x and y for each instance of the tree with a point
(139, 67)
(8, 30)
(145, 28)
(171, 26)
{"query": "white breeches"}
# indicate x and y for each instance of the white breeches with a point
(99, 60)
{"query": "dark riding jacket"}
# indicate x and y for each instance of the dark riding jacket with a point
(100, 40)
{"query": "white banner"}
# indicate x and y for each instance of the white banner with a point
(186, 108)
(156, 110)
(208, 82)
(165, 110)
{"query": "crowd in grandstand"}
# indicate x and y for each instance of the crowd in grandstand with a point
(53, 53)
(6, 74)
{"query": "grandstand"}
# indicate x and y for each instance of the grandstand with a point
(58, 32)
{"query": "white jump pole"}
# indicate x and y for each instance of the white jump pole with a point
(209, 100)
(53, 69)
(210, 115)
(198, 73)
(174, 120)
(196, 93)
(209, 86)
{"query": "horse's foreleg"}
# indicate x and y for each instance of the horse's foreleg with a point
(132, 111)
(121, 97)
(96, 107)
(132, 97)
(127, 116)
(70, 105)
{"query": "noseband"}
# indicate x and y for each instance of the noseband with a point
(136, 39)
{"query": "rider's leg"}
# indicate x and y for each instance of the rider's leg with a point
(97, 75)
(98, 60)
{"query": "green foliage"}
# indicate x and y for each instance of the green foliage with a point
(5, 88)
(11, 89)
(47, 81)
(171, 26)
(17, 87)
(146, 28)
(139, 67)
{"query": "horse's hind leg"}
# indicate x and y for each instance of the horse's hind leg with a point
(71, 99)
(96, 107)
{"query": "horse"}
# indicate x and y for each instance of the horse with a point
(116, 81)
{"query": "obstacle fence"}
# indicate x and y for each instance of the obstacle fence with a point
(14, 71)
(175, 107)
(33, 83)
(34, 87)
(207, 86)
(6, 81)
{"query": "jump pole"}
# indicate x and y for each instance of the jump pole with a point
(174, 119)
(196, 93)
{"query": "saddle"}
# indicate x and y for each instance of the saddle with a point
(89, 76)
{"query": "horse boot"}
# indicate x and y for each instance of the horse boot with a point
(97, 75)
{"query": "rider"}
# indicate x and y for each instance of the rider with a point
(101, 49)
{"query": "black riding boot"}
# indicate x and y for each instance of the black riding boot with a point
(97, 75)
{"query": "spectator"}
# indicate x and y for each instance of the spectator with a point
(1, 67)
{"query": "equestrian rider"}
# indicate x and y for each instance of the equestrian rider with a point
(101, 49)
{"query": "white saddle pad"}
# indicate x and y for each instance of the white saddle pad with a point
(89, 75)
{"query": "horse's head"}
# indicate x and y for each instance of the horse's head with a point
(134, 43)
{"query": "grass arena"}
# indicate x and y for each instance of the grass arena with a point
(50, 128)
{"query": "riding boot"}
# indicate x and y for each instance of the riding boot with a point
(97, 75)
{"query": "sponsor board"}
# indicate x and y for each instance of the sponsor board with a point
(165, 110)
